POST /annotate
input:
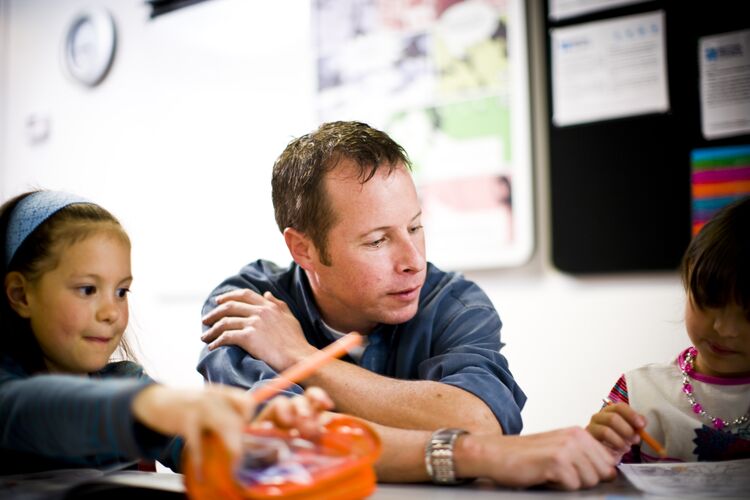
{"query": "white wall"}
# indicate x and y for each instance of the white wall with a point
(178, 142)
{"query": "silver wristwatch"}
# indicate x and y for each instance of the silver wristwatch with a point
(438, 456)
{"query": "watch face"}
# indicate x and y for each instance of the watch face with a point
(89, 46)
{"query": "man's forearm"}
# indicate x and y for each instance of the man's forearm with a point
(402, 458)
(404, 404)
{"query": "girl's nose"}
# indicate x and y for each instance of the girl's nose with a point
(107, 312)
(726, 325)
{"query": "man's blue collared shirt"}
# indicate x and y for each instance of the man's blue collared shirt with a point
(454, 338)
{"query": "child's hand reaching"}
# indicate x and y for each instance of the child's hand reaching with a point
(304, 413)
(224, 411)
(616, 426)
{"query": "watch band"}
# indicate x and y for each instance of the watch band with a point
(438, 456)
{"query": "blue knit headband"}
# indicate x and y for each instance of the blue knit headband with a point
(30, 212)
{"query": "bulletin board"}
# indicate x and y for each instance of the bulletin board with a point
(621, 183)
(449, 82)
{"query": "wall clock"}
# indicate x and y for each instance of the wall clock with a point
(89, 46)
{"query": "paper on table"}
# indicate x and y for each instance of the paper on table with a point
(730, 478)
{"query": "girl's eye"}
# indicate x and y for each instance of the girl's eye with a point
(87, 289)
(415, 229)
(123, 292)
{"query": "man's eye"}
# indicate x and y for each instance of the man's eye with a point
(376, 243)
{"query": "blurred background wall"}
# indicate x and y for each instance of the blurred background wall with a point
(178, 141)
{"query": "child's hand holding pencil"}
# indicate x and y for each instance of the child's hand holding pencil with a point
(619, 427)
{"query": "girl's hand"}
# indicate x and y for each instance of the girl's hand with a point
(222, 410)
(616, 427)
(305, 413)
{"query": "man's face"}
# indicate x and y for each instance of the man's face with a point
(376, 247)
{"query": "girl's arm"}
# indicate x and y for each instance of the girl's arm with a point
(77, 420)
(93, 422)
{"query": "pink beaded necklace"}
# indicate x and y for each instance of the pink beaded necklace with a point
(687, 367)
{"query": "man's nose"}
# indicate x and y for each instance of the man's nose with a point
(411, 257)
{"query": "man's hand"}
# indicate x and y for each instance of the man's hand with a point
(569, 459)
(262, 325)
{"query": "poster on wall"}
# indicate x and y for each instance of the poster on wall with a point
(725, 84)
(448, 81)
(609, 69)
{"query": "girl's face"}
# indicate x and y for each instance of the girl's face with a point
(722, 338)
(79, 310)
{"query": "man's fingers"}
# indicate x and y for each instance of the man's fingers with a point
(269, 296)
(566, 477)
(580, 462)
(240, 295)
(602, 459)
(588, 469)
(228, 309)
(231, 337)
(225, 325)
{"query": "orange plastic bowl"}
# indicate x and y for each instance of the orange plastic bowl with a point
(353, 477)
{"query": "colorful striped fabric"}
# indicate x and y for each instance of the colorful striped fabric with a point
(619, 393)
(719, 176)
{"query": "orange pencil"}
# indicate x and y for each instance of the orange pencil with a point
(306, 367)
(646, 437)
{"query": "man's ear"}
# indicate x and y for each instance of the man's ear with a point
(16, 287)
(301, 247)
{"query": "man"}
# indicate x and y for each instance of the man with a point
(347, 206)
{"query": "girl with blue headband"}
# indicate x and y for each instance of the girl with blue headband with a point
(63, 402)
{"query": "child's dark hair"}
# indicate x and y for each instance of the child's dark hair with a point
(39, 253)
(716, 266)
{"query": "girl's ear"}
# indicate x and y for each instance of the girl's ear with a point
(301, 247)
(15, 289)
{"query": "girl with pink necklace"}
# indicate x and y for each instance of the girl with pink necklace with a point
(697, 405)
